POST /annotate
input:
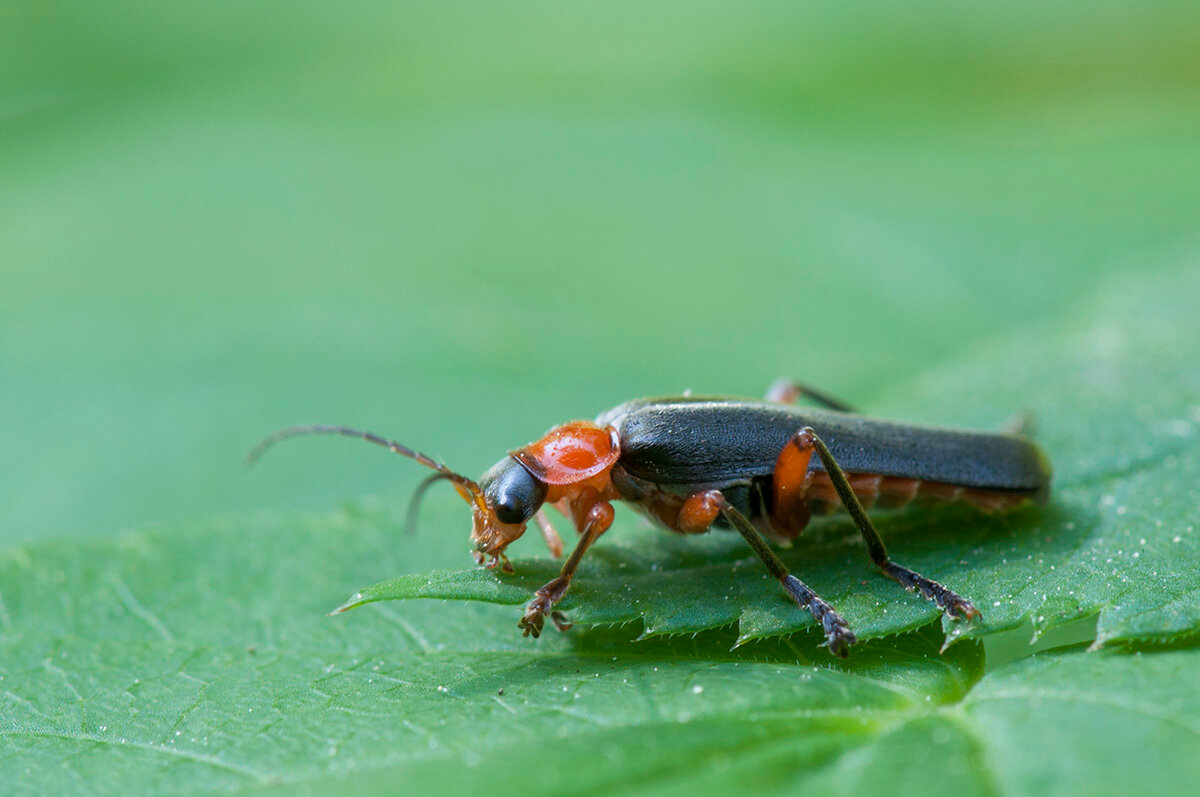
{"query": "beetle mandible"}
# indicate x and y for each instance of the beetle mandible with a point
(760, 467)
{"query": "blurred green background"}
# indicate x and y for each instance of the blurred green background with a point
(459, 225)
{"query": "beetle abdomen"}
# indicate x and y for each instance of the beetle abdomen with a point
(892, 492)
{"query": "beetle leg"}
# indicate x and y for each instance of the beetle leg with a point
(787, 391)
(947, 600)
(838, 635)
(553, 541)
(789, 512)
(599, 518)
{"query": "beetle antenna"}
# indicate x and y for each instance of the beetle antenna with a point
(468, 489)
(414, 506)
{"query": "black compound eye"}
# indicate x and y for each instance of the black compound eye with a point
(510, 509)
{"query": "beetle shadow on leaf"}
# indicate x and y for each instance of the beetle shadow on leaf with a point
(605, 652)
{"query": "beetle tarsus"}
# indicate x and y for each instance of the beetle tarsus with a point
(542, 604)
(534, 619)
(839, 639)
(561, 622)
(838, 636)
(599, 518)
(946, 599)
(498, 560)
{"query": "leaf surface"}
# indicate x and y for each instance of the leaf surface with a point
(131, 670)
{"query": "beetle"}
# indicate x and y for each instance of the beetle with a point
(762, 468)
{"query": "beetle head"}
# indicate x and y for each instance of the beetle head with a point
(515, 488)
(511, 496)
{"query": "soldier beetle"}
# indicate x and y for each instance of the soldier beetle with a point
(758, 467)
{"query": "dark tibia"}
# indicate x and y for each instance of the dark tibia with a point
(599, 518)
(838, 635)
(947, 600)
(787, 391)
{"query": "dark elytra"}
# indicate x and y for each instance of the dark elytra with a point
(714, 441)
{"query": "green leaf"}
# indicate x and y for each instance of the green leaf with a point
(1118, 410)
(162, 662)
(1060, 723)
